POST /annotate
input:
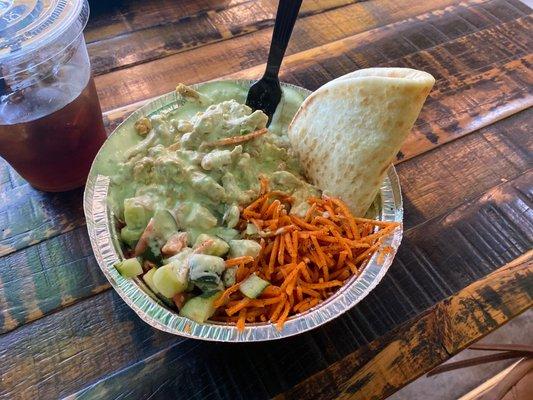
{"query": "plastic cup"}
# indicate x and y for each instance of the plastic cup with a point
(50, 119)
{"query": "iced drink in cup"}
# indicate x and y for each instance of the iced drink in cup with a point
(50, 120)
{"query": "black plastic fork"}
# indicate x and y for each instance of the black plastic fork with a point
(265, 94)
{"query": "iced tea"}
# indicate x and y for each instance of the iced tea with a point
(52, 148)
(50, 121)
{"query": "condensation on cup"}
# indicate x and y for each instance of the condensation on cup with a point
(50, 119)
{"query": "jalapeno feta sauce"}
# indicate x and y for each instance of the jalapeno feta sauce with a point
(181, 180)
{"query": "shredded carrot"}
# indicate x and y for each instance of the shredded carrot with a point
(241, 273)
(306, 273)
(319, 251)
(290, 279)
(330, 211)
(273, 256)
(271, 290)
(288, 245)
(310, 304)
(352, 267)
(305, 258)
(270, 210)
(278, 309)
(253, 313)
(256, 203)
(342, 258)
(366, 253)
(276, 213)
(301, 223)
(322, 285)
(252, 214)
(267, 302)
(263, 181)
(225, 296)
(385, 251)
(239, 306)
(297, 306)
(325, 221)
(277, 232)
(281, 250)
(292, 282)
(383, 232)
(236, 261)
(299, 293)
(310, 292)
(341, 274)
(309, 213)
(241, 320)
(236, 139)
(283, 316)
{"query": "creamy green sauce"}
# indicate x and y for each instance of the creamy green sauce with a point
(204, 187)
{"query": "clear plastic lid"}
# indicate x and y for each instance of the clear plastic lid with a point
(33, 31)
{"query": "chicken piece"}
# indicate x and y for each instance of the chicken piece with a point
(175, 244)
(187, 91)
(143, 126)
(142, 244)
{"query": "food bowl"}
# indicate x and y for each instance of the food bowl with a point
(107, 250)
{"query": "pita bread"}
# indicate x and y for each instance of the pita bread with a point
(347, 133)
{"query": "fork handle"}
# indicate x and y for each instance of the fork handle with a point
(285, 19)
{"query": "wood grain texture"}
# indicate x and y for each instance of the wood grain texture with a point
(436, 259)
(404, 354)
(46, 277)
(118, 17)
(173, 33)
(129, 85)
(397, 38)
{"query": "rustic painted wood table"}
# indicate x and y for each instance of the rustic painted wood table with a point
(465, 265)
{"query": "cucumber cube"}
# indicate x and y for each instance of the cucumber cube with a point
(228, 277)
(253, 286)
(136, 214)
(199, 309)
(239, 248)
(218, 247)
(199, 264)
(164, 224)
(130, 236)
(148, 278)
(129, 268)
(169, 281)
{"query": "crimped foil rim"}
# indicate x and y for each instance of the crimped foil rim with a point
(150, 309)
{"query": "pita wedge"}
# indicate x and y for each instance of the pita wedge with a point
(347, 133)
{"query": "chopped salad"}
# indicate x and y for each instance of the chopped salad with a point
(218, 221)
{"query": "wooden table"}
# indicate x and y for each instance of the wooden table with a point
(464, 267)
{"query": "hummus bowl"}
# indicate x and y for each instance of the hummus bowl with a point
(108, 249)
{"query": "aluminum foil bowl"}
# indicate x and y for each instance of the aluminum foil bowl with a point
(107, 250)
